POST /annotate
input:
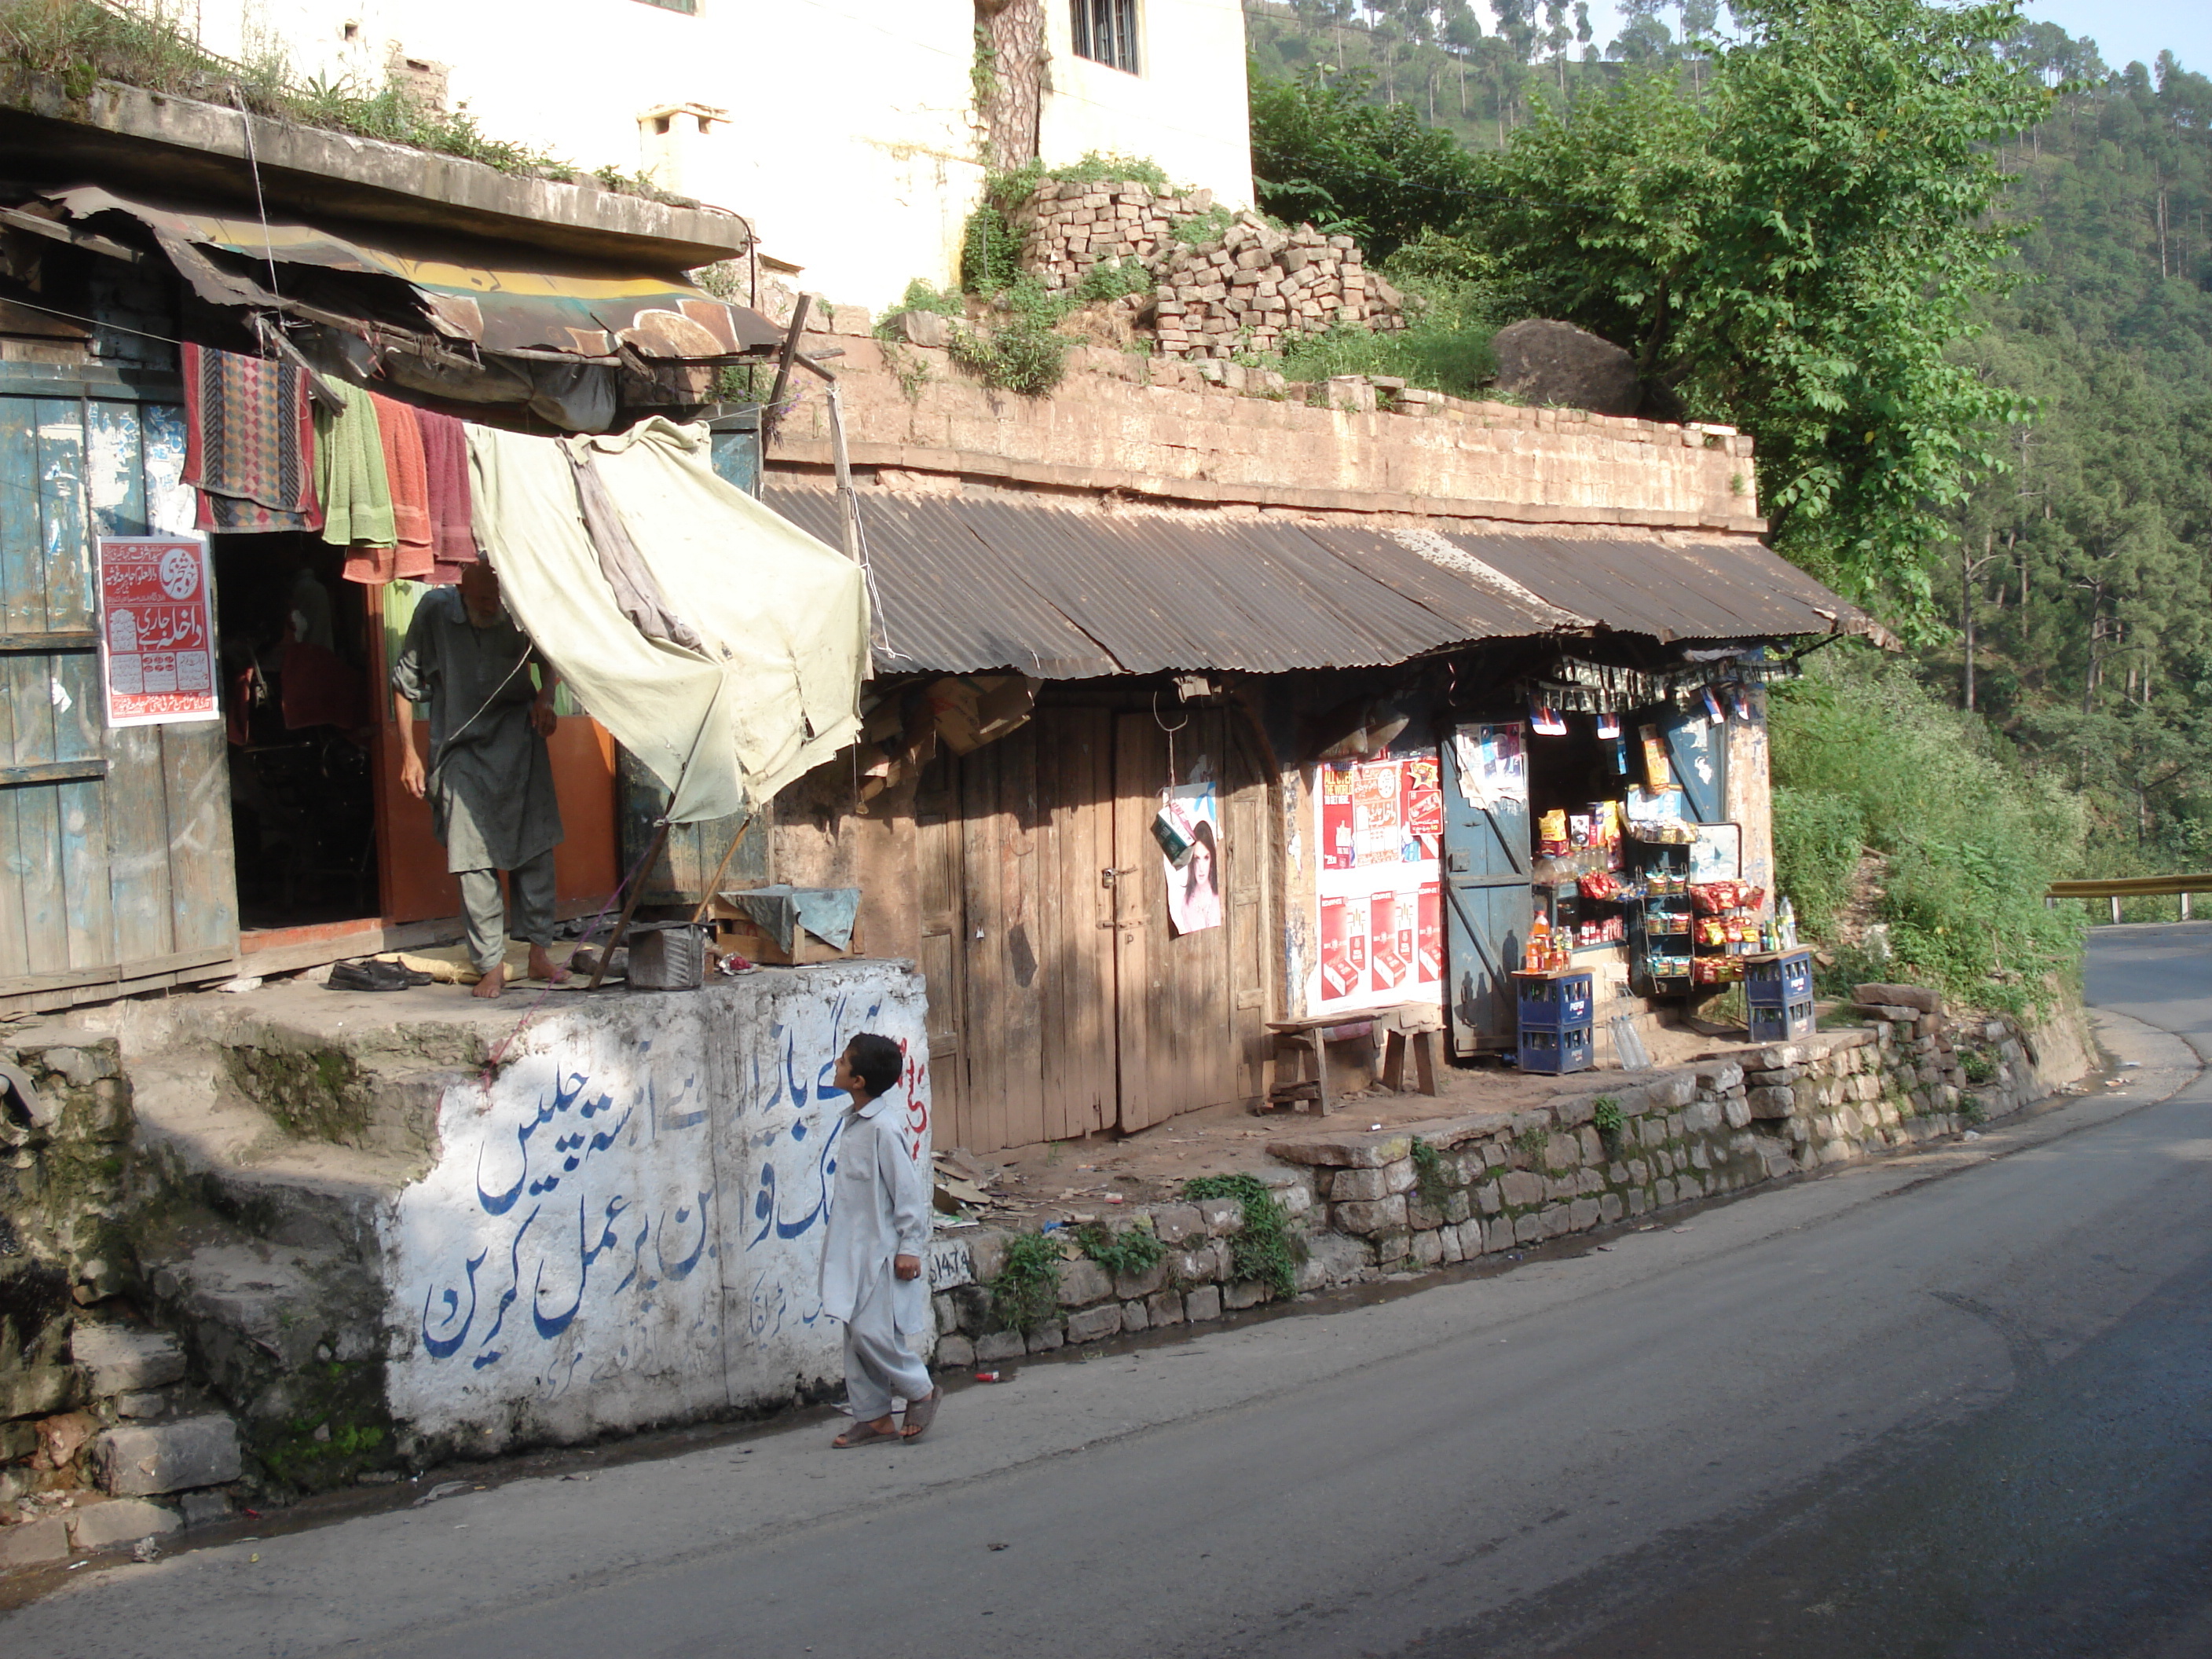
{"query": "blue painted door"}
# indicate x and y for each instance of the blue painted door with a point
(1488, 900)
(116, 845)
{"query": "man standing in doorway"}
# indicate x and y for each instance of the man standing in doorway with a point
(489, 781)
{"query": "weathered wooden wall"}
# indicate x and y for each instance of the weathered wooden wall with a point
(116, 844)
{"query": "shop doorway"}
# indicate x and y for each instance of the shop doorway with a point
(299, 732)
(334, 858)
(1064, 997)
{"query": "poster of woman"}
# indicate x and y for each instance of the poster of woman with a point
(1194, 886)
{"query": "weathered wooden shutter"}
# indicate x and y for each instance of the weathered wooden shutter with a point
(1488, 900)
(1697, 750)
(117, 844)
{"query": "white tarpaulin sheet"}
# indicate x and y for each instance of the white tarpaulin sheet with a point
(784, 618)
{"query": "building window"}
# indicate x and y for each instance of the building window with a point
(1106, 32)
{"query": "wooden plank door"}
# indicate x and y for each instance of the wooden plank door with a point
(1175, 1032)
(940, 878)
(1005, 1020)
(1075, 923)
(1488, 902)
(118, 844)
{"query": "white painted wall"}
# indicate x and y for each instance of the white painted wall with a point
(851, 142)
(1184, 108)
(626, 1227)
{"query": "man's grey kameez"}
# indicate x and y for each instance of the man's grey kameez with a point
(490, 780)
(880, 1209)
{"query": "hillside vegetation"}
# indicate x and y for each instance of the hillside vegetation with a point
(1954, 271)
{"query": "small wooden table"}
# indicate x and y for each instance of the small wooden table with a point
(1412, 1026)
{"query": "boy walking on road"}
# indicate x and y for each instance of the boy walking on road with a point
(872, 1277)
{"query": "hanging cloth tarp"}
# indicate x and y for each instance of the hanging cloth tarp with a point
(783, 619)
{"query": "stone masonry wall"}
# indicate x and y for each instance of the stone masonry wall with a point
(1373, 1203)
(1213, 433)
(1254, 288)
(104, 1443)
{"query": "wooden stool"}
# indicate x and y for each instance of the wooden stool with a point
(1422, 1042)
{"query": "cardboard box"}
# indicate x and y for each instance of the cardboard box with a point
(740, 934)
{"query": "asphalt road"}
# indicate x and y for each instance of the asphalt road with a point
(1955, 1404)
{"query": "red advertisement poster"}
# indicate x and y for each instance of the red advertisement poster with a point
(1336, 851)
(1431, 944)
(157, 629)
(1378, 821)
(1391, 929)
(1343, 947)
(1425, 805)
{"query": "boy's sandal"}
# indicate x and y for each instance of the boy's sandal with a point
(921, 1413)
(860, 1434)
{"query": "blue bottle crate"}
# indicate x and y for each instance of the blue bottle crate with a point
(1771, 1024)
(1555, 1002)
(1571, 1049)
(1778, 984)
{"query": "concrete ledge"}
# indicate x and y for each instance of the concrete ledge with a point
(121, 134)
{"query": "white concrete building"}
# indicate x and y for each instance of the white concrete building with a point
(845, 129)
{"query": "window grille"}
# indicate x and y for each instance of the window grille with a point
(1106, 32)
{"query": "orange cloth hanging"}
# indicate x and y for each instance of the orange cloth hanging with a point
(409, 473)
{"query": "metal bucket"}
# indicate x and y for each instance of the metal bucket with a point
(666, 956)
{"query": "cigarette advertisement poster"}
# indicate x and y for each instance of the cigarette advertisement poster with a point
(1379, 824)
(156, 629)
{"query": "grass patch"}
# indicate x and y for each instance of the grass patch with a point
(1025, 1294)
(1431, 1177)
(1267, 1251)
(1971, 839)
(1134, 1252)
(81, 43)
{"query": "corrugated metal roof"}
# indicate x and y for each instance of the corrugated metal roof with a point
(971, 584)
(1718, 589)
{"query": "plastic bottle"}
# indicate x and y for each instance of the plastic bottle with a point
(1538, 957)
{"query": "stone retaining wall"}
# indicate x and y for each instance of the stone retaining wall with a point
(104, 1441)
(1253, 287)
(1374, 1203)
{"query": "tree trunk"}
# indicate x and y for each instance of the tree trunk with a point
(1010, 109)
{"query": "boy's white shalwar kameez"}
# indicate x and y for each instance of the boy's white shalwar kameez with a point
(878, 1209)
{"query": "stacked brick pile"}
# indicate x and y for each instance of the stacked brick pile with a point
(1258, 288)
(1253, 288)
(1067, 228)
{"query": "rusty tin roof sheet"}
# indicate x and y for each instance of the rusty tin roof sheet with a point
(969, 584)
(586, 313)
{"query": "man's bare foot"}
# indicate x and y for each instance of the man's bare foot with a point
(543, 967)
(492, 983)
(861, 1433)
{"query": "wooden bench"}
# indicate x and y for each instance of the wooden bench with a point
(1413, 1026)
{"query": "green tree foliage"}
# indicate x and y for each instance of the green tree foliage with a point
(2078, 579)
(1321, 152)
(1794, 252)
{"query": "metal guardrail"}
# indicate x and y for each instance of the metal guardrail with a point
(2127, 887)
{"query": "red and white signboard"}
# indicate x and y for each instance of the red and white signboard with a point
(157, 648)
(1380, 826)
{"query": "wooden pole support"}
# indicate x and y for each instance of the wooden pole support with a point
(629, 905)
(707, 898)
